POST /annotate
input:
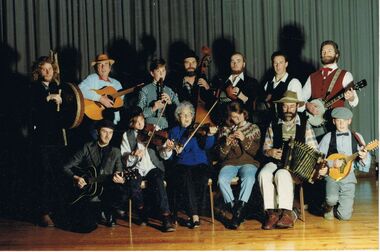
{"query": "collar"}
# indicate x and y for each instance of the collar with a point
(333, 66)
(239, 77)
(298, 120)
(282, 79)
(108, 79)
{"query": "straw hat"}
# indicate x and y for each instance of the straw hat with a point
(290, 97)
(102, 58)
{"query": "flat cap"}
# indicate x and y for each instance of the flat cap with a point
(341, 113)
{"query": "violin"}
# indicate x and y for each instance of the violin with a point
(149, 136)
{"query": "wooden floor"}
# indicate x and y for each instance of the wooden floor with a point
(362, 232)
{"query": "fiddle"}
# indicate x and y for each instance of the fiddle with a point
(150, 136)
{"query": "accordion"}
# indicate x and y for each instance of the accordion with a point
(302, 161)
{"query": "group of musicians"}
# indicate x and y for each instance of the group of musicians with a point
(167, 142)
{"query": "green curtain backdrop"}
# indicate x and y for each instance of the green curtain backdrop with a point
(133, 31)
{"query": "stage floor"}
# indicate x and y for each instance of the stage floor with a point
(362, 232)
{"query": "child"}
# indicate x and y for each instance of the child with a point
(150, 167)
(155, 97)
(191, 162)
(340, 194)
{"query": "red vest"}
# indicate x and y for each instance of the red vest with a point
(319, 86)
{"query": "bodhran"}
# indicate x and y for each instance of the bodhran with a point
(72, 107)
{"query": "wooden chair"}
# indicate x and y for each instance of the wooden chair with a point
(302, 216)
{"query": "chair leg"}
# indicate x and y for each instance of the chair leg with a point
(302, 205)
(211, 200)
(130, 213)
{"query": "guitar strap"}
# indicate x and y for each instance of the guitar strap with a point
(332, 83)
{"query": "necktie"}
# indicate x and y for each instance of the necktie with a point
(325, 72)
(342, 134)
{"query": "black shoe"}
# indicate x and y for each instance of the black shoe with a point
(193, 224)
(143, 218)
(108, 219)
(167, 224)
(238, 214)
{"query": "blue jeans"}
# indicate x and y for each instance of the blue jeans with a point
(246, 173)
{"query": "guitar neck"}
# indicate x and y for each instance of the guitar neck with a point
(126, 91)
(338, 96)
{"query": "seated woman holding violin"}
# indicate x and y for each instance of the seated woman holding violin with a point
(191, 165)
(140, 151)
(237, 147)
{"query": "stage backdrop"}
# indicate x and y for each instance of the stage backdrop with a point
(134, 31)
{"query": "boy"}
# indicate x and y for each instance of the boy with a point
(340, 194)
(150, 167)
(156, 97)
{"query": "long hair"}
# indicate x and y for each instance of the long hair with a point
(36, 68)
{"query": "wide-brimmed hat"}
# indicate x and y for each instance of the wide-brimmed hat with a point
(290, 97)
(102, 58)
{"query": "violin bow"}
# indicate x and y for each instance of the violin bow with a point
(154, 130)
(200, 124)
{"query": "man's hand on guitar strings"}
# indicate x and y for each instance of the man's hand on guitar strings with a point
(105, 101)
(349, 95)
(312, 108)
(79, 181)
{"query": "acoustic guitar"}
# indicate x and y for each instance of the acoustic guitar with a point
(94, 109)
(94, 182)
(318, 120)
(339, 173)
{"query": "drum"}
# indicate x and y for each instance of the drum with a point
(72, 107)
(303, 161)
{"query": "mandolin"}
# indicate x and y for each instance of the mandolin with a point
(338, 173)
(318, 120)
(94, 109)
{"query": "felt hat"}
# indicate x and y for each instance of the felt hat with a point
(102, 58)
(290, 97)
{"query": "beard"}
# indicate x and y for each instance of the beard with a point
(190, 72)
(237, 71)
(328, 60)
(289, 116)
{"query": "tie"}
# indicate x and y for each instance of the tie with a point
(342, 134)
(325, 72)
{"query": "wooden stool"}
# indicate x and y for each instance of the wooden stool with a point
(302, 216)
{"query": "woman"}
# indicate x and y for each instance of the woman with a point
(237, 146)
(191, 164)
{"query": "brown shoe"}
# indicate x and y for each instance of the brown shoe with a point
(271, 221)
(46, 221)
(287, 220)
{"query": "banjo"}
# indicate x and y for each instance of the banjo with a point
(318, 120)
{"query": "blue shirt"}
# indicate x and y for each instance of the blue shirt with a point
(93, 82)
(193, 154)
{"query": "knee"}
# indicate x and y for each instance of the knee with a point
(283, 174)
(332, 200)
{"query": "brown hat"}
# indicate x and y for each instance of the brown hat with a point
(290, 97)
(102, 58)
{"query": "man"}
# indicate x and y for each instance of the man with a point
(102, 66)
(48, 136)
(275, 88)
(106, 160)
(193, 82)
(276, 184)
(326, 82)
(157, 100)
(239, 86)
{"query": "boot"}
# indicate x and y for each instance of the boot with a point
(238, 214)
(287, 219)
(167, 224)
(272, 219)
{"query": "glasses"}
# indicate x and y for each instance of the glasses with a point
(185, 115)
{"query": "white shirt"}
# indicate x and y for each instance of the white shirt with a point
(294, 85)
(237, 79)
(144, 165)
(347, 79)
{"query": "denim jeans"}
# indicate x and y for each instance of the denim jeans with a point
(246, 173)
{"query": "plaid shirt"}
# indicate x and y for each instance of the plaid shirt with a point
(309, 135)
